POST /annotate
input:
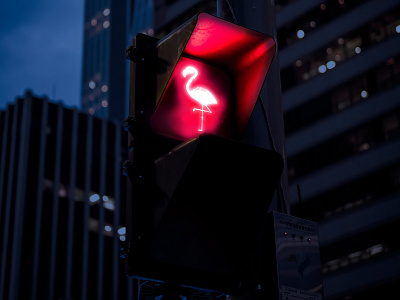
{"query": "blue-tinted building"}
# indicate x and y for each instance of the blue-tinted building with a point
(103, 75)
(141, 19)
(61, 214)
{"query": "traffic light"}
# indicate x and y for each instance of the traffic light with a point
(196, 196)
(205, 77)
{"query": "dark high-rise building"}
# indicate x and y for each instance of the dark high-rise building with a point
(60, 204)
(340, 72)
(140, 18)
(103, 74)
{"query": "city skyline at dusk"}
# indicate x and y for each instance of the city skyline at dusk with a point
(41, 50)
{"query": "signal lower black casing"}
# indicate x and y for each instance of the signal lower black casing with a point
(197, 224)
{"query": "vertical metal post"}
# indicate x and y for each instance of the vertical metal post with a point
(86, 211)
(266, 127)
(4, 146)
(20, 198)
(55, 204)
(117, 209)
(130, 295)
(71, 204)
(39, 197)
(8, 199)
(102, 191)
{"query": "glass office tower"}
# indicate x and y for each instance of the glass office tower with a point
(340, 71)
(103, 74)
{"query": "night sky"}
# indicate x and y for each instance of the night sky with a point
(41, 49)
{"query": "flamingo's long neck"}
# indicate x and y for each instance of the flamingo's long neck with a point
(190, 81)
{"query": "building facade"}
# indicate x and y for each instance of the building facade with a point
(340, 71)
(141, 18)
(60, 204)
(103, 73)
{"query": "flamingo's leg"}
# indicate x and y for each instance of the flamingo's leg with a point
(202, 118)
(202, 114)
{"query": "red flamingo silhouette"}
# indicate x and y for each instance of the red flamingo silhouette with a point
(199, 94)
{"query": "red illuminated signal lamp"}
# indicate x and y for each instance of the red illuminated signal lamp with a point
(231, 64)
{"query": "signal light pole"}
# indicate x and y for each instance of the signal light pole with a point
(266, 128)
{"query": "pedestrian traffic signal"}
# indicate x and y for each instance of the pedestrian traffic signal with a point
(194, 211)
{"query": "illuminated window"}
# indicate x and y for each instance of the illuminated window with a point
(106, 24)
(300, 34)
(104, 88)
(91, 111)
(322, 69)
(92, 84)
(364, 94)
(122, 232)
(106, 12)
(93, 22)
(94, 198)
(104, 103)
(354, 258)
(331, 64)
(359, 90)
(62, 192)
(109, 205)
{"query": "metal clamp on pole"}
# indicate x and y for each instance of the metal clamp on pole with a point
(134, 54)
